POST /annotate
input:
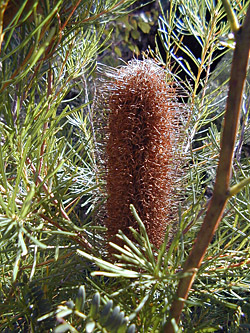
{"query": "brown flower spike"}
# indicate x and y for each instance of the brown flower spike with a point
(142, 149)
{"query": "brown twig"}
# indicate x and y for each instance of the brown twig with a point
(79, 239)
(3, 7)
(221, 188)
(45, 125)
(49, 261)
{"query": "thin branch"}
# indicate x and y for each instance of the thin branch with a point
(3, 6)
(79, 238)
(231, 16)
(49, 261)
(238, 187)
(221, 189)
(45, 125)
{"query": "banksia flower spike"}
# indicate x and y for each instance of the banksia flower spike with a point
(142, 149)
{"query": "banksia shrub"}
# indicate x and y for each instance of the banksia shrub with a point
(142, 149)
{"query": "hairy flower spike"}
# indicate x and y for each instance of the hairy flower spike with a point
(142, 149)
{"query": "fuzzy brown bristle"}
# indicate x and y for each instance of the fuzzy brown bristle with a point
(142, 149)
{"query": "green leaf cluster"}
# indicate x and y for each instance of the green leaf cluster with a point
(98, 319)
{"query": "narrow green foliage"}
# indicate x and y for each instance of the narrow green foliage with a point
(48, 173)
(51, 199)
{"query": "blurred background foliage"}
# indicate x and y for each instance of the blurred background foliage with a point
(133, 33)
(52, 241)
